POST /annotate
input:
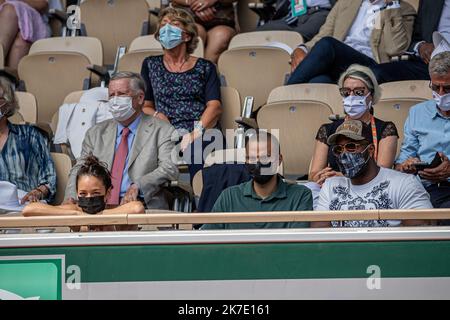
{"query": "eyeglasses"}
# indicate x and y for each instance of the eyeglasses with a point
(350, 147)
(437, 88)
(345, 92)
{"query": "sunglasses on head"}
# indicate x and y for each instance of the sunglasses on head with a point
(350, 147)
(345, 92)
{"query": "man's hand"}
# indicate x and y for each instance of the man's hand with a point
(188, 138)
(297, 56)
(69, 201)
(425, 51)
(324, 174)
(206, 15)
(438, 174)
(131, 194)
(35, 195)
(408, 165)
(199, 5)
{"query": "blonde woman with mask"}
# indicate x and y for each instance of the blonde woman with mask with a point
(360, 93)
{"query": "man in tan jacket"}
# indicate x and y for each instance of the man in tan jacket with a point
(366, 32)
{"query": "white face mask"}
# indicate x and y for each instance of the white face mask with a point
(356, 106)
(443, 102)
(121, 108)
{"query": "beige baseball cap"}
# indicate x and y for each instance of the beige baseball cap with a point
(353, 129)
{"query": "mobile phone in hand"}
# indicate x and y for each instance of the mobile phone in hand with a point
(420, 166)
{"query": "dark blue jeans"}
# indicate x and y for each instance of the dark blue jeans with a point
(328, 59)
(413, 69)
(196, 153)
(440, 198)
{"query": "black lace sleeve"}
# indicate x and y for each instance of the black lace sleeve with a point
(389, 130)
(322, 134)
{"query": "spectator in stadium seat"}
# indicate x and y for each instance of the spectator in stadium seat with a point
(136, 147)
(21, 24)
(307, 24)
(427, 131)
(215, 21)
(433, 15)
(182, 89)
(266, 191)
(365, 185)
(360, 93)
(366, 32)
(94, 186)
(25, 159)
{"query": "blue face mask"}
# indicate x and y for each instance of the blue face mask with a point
(351, 164)
(170, 36)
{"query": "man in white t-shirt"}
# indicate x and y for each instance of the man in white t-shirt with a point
(366, 186)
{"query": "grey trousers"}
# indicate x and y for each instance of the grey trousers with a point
(308, 25)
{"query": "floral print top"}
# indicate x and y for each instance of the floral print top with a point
(182, 96)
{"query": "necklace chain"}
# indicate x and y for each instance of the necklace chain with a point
(181, 66)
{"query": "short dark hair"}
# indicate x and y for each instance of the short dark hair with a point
(258, 135)
(92, 167)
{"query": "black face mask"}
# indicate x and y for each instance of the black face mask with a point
(254, 169)
(92, 205)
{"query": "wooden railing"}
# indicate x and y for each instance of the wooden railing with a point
(199, 218)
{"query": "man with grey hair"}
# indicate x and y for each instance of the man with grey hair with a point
(427, 132)
(136, 147)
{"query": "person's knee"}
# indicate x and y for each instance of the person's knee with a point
(220, 38)
(201, 32)
(327, 43)
(20, 44)
(8, 12)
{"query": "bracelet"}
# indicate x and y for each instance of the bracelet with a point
(41, 192)
(199, 127)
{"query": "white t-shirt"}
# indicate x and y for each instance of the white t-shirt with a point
(390, 189)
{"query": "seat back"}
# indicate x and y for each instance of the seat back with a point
(74, 97)
(88, 46)
(50, 77)
(27, 106)
(261, 38)
(63, 164)
(297, 122)
(327, 94)
(143, 47)
(132, 61)
(231, 104)
(115, 22)
(197, 183)
(254, 71)
(396, 100)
